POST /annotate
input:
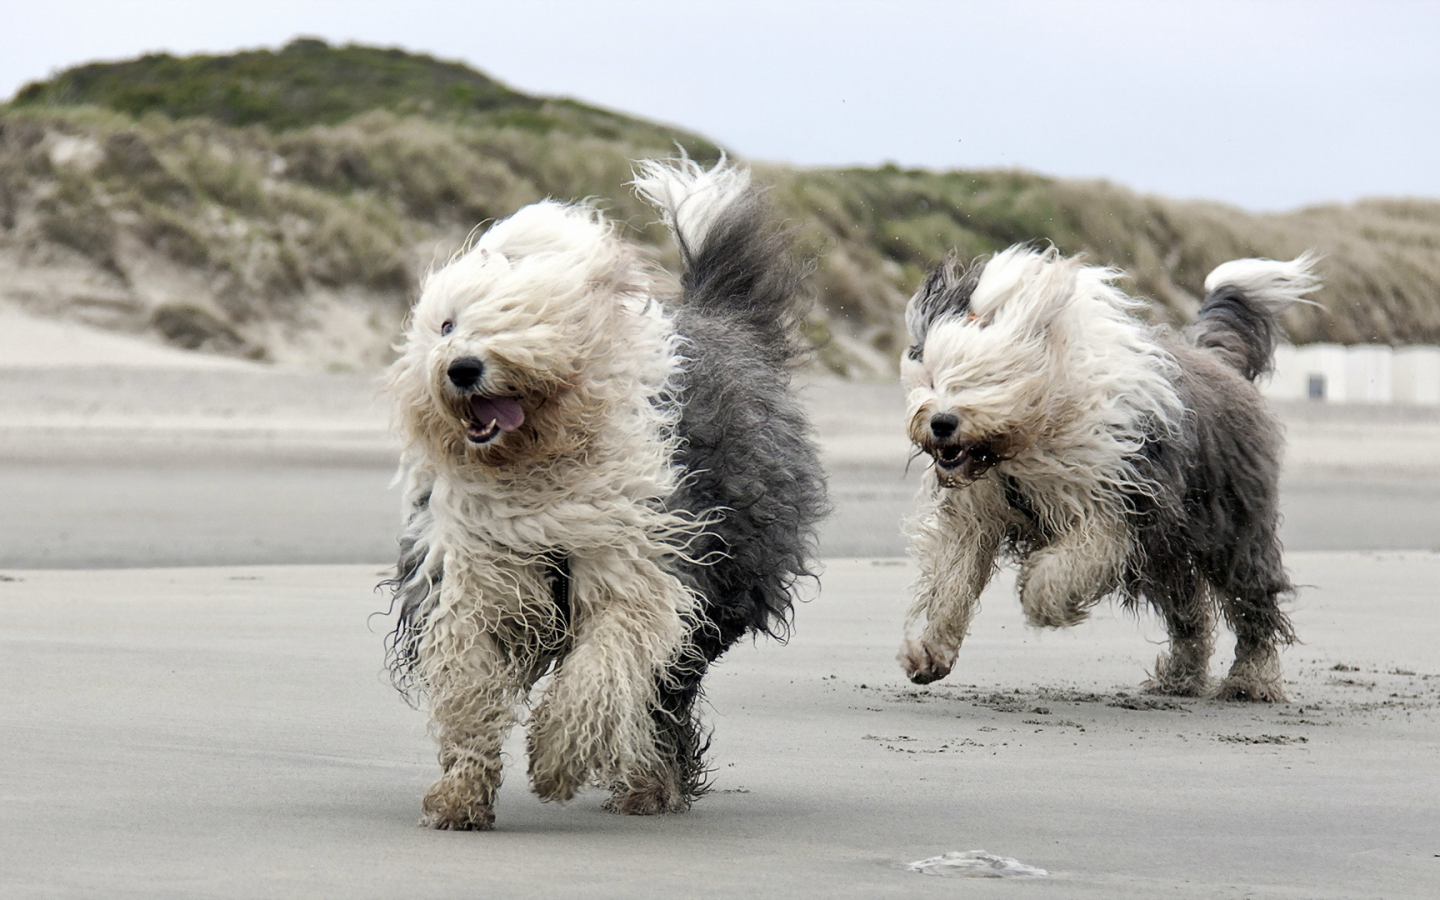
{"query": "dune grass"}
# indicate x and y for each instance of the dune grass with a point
(229, 203)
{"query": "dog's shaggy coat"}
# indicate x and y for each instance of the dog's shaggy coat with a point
(599, 486)
(1106, 456)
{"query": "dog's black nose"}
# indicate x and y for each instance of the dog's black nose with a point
(465, 372)
(942, 425)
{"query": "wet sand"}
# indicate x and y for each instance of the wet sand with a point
(229, 732)
(131, 466)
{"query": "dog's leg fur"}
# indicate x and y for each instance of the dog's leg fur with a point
(677, 777)
(1250, 582)
(955, 546)
(1184, 670)
(1259, 626)
(494, 630)
(1255, 674)
(1061, 582)
(474, 694)
(594, 723)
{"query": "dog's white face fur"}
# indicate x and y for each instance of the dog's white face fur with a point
(1029, 355)
(518, 348)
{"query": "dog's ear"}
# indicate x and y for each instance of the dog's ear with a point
(1030, 290)
(945, 293)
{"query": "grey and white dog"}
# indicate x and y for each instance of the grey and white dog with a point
(604, 484)
(1106, 456)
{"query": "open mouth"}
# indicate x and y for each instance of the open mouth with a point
(965, 462)
(490, 416)
(950, 457)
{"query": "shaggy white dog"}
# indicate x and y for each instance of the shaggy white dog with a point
(598, 486)
(1106, 456)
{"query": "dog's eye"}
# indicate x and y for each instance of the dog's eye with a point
(446, 327)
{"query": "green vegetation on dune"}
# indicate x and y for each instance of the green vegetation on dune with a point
(1381, 257)
(305, 83)
(263, 232)
(308, 82)
(282, 205)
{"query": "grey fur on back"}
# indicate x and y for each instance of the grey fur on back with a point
(746, 446)
(1213, 517)
(1214, 513)
(750, 466)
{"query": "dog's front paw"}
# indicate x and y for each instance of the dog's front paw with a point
(559, 783)
(925, 660)
(451, 806)
(1046, 609)
(1059, 588)
(556, 770)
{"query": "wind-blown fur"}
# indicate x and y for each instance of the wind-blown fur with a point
(1107, 457)
(602, 484)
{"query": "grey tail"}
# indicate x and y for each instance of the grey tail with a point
(737, 264)
(1240, 318)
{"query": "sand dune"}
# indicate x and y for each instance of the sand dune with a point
(32, 342)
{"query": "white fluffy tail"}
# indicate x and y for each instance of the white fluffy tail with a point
(689, 198)
(1274, 285)
(1240, 318)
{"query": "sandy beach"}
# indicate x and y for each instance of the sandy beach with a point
(228, 732)
(188, 559)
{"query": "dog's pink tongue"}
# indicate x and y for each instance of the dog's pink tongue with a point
(503, 411)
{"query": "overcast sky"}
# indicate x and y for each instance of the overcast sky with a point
(1267, 104)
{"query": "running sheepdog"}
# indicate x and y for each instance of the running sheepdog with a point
(603, 484)
(1104, 455)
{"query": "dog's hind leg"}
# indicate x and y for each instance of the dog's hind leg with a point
(1254, 581)
(1184, 670)
(594, 724)
(1260, 627)
(1061, 582)
(474, 694)
(955, 547)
